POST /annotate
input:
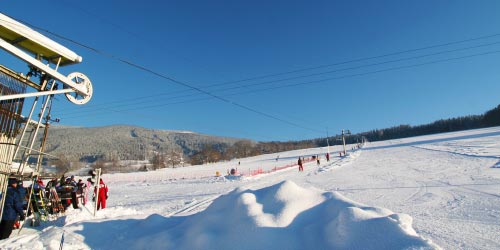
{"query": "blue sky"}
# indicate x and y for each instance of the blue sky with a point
(216, 46)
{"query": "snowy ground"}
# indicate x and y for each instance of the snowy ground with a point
(429, 192)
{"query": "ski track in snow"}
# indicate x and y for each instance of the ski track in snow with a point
(194, 207)
(451, 188)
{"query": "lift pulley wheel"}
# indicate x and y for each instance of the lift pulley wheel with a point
(82, 80)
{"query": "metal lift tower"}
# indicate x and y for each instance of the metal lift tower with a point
(18, 133)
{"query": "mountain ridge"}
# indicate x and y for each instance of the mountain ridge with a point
(125, 142)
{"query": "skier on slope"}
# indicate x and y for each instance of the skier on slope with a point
(301, 168)
(103, 195)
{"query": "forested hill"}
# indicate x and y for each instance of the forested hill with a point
(125, 142)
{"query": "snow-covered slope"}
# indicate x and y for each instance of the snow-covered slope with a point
(424, 192)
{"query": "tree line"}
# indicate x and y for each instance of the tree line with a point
(216, 151)
(490, 118)
(241, 149)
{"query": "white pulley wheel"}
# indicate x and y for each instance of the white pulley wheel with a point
(81, 80)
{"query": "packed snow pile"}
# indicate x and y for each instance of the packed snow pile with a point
(282, 216)
(286, 216)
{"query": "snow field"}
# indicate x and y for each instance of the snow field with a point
(416, 193)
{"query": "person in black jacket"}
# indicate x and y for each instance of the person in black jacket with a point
(12, 208)
(22, 193)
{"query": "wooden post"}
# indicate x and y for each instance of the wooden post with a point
(98, 180)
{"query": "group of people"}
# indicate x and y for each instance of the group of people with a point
(16, 199)
(80, 187)
(68, 189)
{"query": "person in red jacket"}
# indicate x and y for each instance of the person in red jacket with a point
(103, 195)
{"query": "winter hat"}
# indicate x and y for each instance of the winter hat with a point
(101, 181)
(12, 180)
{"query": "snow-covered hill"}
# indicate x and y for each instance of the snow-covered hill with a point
(124, 142)
(424, 192)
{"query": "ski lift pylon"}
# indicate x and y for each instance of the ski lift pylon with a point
(18, 133)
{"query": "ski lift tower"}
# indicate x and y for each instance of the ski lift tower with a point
(346, 132)
(327, 143)
(18, 133)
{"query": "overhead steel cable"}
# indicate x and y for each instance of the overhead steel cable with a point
(310, 82)
(360, 59)
(303, 69)
(318, 74)
(249, 108)
(219, 97)
(140, 67)
(381, 71)
(363, 66)
(326, 79)
(309, 68)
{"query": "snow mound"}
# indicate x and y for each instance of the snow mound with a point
(286, 216)
(282, 216)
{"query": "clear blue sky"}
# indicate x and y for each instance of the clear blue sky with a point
(204, 43)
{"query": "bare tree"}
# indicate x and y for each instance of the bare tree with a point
(206, 155)
(174, 159)
(100, 164)
(61, 164)
(158, 161)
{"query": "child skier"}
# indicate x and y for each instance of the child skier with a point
(103, 195)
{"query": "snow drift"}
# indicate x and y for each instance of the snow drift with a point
(282, 216)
